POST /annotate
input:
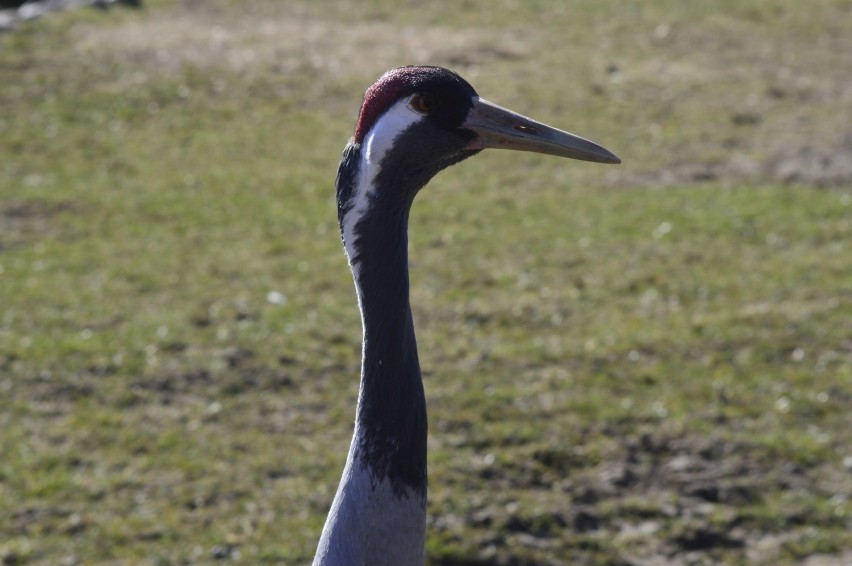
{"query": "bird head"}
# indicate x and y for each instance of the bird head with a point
(426, 118)
(416, 121)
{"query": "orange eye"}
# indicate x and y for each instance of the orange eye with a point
(424, 102)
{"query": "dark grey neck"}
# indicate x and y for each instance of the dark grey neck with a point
(391, 416)
(391, 424)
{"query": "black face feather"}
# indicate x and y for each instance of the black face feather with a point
(347, 176)
(418, 154)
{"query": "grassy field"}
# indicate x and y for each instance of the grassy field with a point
(645, 364)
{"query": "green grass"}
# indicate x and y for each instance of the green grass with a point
(649, 362)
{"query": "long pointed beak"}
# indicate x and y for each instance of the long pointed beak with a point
(499, 127)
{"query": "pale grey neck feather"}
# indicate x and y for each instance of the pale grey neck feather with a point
(368, 525)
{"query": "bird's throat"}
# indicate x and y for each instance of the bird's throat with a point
(390, 431)
(391, 424)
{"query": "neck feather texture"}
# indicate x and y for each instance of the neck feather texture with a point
(391, 427)
(379, 512)
(391, 416)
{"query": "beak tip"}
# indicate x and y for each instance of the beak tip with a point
(607, 157)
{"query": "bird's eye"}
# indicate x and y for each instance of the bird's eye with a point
(424, 102)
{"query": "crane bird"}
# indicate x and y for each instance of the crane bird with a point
(414, 122)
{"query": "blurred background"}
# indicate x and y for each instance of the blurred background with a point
(643, 364)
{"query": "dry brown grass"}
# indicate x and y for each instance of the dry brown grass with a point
(243, 41)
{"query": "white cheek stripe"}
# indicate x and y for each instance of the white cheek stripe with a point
(377, 143)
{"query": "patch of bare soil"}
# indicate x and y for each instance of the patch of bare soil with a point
(25, 221)
(824, 164)
(829, 167)
(666, 500)
(244, 374)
